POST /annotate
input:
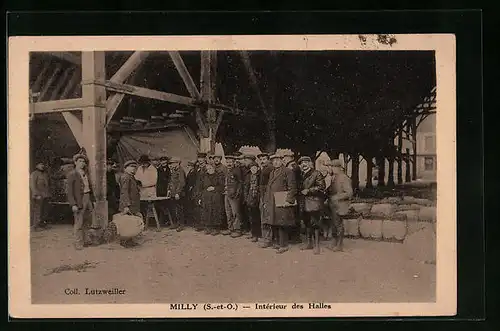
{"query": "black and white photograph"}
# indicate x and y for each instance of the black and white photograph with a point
(232, 176)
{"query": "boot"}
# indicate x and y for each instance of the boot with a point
(283, 241)
(339, 247)
(309, 243)
(316, 242)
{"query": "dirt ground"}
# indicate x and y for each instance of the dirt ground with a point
(192, 267)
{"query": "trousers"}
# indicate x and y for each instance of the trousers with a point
(83, 219)
(233, 213)
(39, 208)
(253, 213)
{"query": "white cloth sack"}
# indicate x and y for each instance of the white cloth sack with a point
(128, 226)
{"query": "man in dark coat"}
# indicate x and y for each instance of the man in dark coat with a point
(162, 187)
(265, 170)
(312, 197)
(200, 172)
(81, 199)
(290, 162)
(189, 190)
(112, 189)
(40, 192)
(280, 200)
(233, 191)
(252, 200)
(130, 197)
(246, 162)
(339, 191)
(176, 186)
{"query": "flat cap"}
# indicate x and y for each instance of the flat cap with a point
(276, 156)
(237, 153)
(304, 159)
(240, 157)
(288, 153)
(230, 157)
(263, 155)
(200, 154)
(174, 159)
(164, 158)
(250, 157)
(80, 156)
(130, 163)
(143, 158)
(218, 155)
(191, 163)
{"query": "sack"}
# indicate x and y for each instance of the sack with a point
(280, 200)
(128, 226)
(313, 204)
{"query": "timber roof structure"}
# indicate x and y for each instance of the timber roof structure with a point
(343, 100)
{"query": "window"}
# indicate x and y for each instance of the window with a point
(429, 163)
(429, 144)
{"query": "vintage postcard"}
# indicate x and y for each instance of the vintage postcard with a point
(143, 172)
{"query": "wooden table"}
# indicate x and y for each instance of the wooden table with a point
(151, 206)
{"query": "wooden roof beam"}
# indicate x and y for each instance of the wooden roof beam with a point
(185, 75)
(57, 106)
(60, 84)
(49, 82)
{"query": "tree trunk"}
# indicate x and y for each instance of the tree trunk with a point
(355, 172)
(408, 169)
(400, 154)
(414, 160)
(390, 175)
(333, 155)
(381, 171)
(369, 171)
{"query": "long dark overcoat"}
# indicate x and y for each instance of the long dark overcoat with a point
(280, 179)
(212, 201)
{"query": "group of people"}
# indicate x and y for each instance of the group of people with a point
(265, 196)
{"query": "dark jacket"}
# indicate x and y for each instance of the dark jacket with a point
(177, 182)
(314, 183)
(112, 189)
(264, 178)
(39, 184)
(281, 179)
(190, 186)
(234, 183)
(252, 193)
(199, 172)
(162, 182)
(129, 194)
(75, 188)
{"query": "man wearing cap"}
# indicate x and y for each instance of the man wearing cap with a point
(189, 188)
(219, 167)
(162, 187)
(199, 173)
(147, 176)
(312, 196)
(176, 193)
(265, 170)
(233, 190)
(81, 199)
(246, 162)
(112, 188)
(339, 191)
(280, 214)
(289, 162)
(40, 192)
(130, 198)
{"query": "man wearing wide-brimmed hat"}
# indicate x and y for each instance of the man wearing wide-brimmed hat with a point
(312, 201)
(81, 199)
(339, 191)
(147, 176)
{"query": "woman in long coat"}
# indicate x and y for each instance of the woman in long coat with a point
(281, 219)
(212, 200)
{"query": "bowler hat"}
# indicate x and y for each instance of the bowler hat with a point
(230, 157)
(130, 163)
(174, 159)
(143, 158)
(78, 156)
(304, 159)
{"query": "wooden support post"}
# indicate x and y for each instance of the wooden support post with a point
(408, 169)
(355, 172)
(94, 126)
(400, 160)
(414, 147)
(73, 81)
(208, 87)
(75, 125)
